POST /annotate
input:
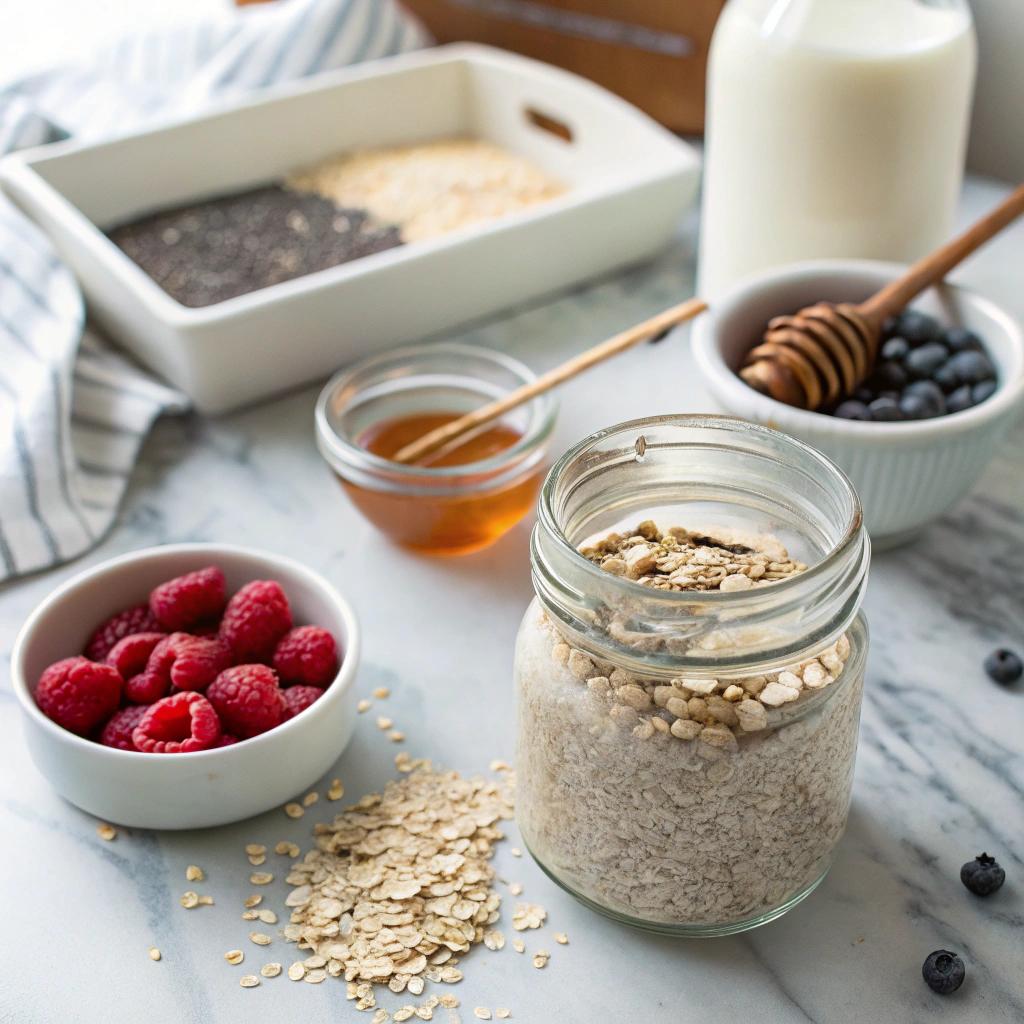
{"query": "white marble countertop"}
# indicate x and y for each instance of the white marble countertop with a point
(940, 773)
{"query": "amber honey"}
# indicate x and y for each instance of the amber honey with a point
(473, 515)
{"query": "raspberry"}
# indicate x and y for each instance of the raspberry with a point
(130, 654)
(306, 655)
(186, 600)
(79, 694)
(248, 699)
(255, 620)
(132, 620)
(188, 662)
(226, 740)
(118, 731)
(177, 725)
(298, 698)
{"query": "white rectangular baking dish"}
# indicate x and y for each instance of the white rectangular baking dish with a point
(629, 180)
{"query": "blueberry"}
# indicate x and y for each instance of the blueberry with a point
(972, 367)
(864, 394)
(889, 325)
(924, 361)
(918, 328)
(947, 376)
(851, 409)
(960, 399)
(986, 389)
(922, 400)
(943, 972)
(982, 875)
(959, 339)
(895, 348)
(885, 409)
(1004, 666)
(888, 393)
(890, 374)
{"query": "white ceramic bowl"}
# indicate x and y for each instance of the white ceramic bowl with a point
(906, 473)
(211, 787)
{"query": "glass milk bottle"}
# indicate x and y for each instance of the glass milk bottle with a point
(835, 128)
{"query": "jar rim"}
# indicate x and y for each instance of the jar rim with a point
(656, 632)
(547, 516)
(342, 453)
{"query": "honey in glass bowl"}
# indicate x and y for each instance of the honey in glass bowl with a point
(452, 502)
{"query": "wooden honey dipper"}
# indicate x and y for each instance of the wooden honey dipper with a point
(826, 351)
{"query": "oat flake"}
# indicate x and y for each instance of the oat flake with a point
(297, 971)
(261, 878)
(309, 799)
(482, 1012)
(294, 810)
(189, 900)
(106, 832)
(260, 938)
(249, 981)
(234, 956)
(154, 953)
(193, 874)
(270, 970)
(381, 692)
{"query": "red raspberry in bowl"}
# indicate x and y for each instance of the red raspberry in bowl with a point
(306, 655)
(79, 694)
(188, 599)
(180, 724)
(132, 620)
(118, 731)
(188, 662)
(226, 740)
(298, 698)
(248, 699)
(255, 620)
(130, 654)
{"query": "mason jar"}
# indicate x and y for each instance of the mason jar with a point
(685, 756)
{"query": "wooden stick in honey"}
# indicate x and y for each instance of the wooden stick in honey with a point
(443, 435)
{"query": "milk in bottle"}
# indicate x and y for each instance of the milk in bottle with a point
(835, 128)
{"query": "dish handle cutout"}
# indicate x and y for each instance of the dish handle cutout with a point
(548, 124)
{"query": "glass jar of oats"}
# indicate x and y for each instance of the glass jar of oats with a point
(689, 676)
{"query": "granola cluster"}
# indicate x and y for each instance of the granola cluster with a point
(716, 558)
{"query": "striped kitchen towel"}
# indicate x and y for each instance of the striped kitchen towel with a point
(73, 412)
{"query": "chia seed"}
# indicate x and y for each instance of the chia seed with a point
(212, 251)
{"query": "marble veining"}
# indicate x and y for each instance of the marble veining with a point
(940, 771)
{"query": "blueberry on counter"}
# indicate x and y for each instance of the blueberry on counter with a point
(943, 972)
(960, 399)
(895, 348)
(924, 361)
(852, 409)
(922, 400)
(885, 409)
(959, 339)
(982, 875)
(986, 389)
(1004, 666)
(918, 328)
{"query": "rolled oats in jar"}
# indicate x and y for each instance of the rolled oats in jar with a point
(689, 675)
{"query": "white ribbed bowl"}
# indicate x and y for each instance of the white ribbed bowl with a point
(906, 473)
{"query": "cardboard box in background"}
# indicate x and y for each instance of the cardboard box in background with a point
(651, 52)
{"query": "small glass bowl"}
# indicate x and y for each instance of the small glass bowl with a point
(439, 510)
